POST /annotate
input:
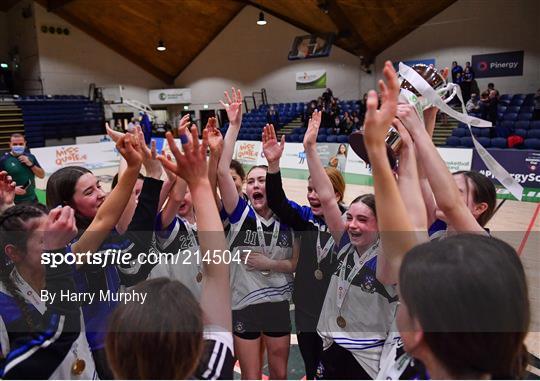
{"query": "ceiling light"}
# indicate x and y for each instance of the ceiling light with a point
(186, 107)
(161, 46)
(261, 21)
(4, 65)
(205, 106)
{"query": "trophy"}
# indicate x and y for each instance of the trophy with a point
(408, 94)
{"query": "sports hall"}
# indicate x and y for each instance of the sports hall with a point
(68, 67)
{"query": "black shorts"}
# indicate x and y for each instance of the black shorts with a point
(272, 319)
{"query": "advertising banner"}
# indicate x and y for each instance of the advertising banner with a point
(314, 79)
(169, 96)
(498, 64)
(523, 166)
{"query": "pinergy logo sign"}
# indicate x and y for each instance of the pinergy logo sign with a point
(498, 64)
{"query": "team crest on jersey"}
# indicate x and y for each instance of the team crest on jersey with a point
(283, 240)
(368, 284)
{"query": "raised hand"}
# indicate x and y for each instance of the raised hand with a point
(377, 122)
(410, 119)
(233, 106)
(191, 164)
(310, 138)
(271, 147)
(60, 228)
(128, 146)
(113, 134)
(7, 190)
(215, 139)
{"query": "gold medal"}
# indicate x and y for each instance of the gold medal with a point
(318, 274)
(341, 322)
(199, 277)
(78, 367)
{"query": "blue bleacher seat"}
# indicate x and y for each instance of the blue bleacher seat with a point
(486, 142)
(522, 124)
(533, 134)
(330, 131)
(525, 116)
(453, 141)
(499, 142)
(459, 132)
(331, 138)
(342, 139)
(532, 144)
(513, 109)
(503, 108)
(524, 109)
(535, 124)
(520, 132)
(321, 139)
(511, 116)
(467, 141)
(517, 101)
(519, 96)
(508, 124)
(505, 96)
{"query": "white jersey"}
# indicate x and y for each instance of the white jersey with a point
(367, 307)
(180, 239)
(253, 286)
(54, 349)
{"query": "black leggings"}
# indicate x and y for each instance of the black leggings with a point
(337, 363)
(311, 347)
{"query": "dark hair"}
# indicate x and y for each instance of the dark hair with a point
(491, 84)
(115, 180)
(15, 230)
(61, 188)
(483, 191)
(265, 167)
(238, 168)
(367, 199)
(159, 339)
(469, 294)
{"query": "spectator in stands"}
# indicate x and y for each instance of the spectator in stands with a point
(484, 104)
(23, 168)
(356, 121)
(468, 65)
(466, 84)
(492, 108)
(473, 105)
(536, 115)
(346, 125)
(272, 117)
(491, 87)
(456, 70)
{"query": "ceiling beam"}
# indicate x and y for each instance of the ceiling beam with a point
(118, 47)
(180, 70)
(346, 29)
(293, 22)
(435, 10)
(54, 5)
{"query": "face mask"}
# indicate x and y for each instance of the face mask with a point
(18, 150)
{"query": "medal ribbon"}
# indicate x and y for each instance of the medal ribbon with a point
(323, 252)
(260, 232)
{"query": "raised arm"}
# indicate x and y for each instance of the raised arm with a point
(229, 195)
(192, 167)
(430, 117)
(176, 197)
(112, 208)
(287, 211)
(445, 190)
(395, 228)
(322, 183)
(215, 142)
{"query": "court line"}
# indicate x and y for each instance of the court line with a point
(529, 228)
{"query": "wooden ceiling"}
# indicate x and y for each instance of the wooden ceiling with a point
(133, 27)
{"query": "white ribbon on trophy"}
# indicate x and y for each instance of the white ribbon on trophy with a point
(434, 98)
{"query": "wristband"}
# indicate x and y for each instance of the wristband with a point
(33, 165)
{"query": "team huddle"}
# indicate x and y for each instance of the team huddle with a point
(404, 283)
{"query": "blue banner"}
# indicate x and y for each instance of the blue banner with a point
(498, 65)
(524, 166)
